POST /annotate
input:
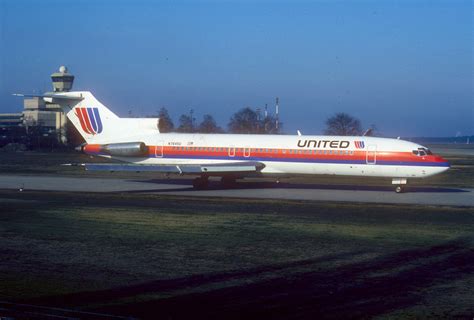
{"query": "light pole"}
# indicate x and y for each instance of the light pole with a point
(191, 112)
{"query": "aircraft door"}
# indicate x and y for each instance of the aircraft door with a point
(232, 151)
(159, 149)
(371, 154)
(247, 152)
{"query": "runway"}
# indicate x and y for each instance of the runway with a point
(252, 190)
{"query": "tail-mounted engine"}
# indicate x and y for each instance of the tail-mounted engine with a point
(126, 149)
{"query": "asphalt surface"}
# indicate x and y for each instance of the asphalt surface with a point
(257, 190)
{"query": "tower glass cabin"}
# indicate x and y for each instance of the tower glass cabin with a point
(62, 80)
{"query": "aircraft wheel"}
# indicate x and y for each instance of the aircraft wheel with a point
(399, 189)
(200, 183)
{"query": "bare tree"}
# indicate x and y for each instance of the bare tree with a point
(209, 125)
(343, 124)
(185, 123)
(244, 121)
(372, 131)
(165, 123)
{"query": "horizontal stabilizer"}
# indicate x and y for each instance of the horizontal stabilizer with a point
(52, 96)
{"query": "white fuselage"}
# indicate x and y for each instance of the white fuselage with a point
(285, 154)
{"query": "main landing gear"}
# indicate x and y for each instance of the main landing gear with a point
(201, 183)
(400, 184)
(228, 181)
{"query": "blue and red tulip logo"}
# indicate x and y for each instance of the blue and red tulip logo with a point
(90, 120)
(359, 144)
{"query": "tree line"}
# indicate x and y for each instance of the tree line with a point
(249, 121)
(246, 120)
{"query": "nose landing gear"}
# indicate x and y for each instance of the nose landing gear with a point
(400, 184)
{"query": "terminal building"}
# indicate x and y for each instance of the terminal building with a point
(47, 118)
(8, 120)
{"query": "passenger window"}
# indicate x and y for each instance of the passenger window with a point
(415, 152)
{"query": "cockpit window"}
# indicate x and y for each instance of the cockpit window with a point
(422, 152)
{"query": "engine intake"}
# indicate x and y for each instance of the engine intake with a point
(127, 149)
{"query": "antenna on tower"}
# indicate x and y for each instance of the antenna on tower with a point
(277, 120)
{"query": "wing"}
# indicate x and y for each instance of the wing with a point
(216, 169)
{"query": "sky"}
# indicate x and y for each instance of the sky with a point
(404, 66)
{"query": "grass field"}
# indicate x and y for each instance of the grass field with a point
(169, 257)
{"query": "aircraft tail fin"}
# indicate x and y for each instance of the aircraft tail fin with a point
(94, 121)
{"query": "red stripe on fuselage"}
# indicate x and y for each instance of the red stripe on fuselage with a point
(272, 153)
(300, 154)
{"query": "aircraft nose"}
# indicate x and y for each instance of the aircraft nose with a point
(443, 162)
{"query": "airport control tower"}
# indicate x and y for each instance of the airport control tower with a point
(62, 80)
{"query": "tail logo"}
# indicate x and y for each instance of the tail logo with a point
(359, 144)
(90, 120)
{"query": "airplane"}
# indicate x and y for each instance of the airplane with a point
(139, 145)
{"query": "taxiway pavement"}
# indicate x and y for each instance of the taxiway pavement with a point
(264, 190)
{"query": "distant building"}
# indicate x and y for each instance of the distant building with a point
(11, 128)
(47, 118)
(8, 120)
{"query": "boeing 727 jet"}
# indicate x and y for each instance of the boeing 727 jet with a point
(139, 144)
